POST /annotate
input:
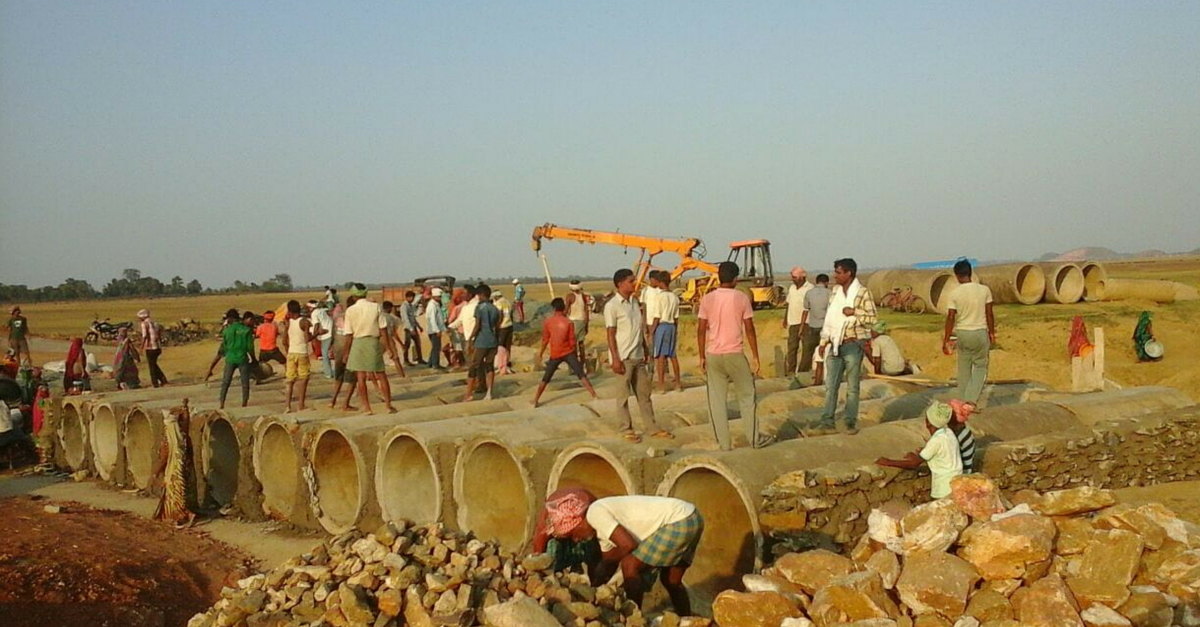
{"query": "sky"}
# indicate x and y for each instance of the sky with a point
(382, 140)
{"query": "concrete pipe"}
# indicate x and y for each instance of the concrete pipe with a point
(1095, 281)
(1023, 283)
(73, 433)
(108, 454)
(933, 287)
(1149, 289)
(1096, 407)
(279, 463)
(495, 494)
(1064, 283)
(604, 468)
(342, 480)
(142, 437)
(225, 443)
(408, 480)
(727, 489)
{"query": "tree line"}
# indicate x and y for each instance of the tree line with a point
(132, 283)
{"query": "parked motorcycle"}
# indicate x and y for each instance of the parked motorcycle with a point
(105, 330)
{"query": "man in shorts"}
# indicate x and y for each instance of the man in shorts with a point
(297, 337)
(268, 340)
(663, 330)
(558, 332)
(485, 339)
(18, 335)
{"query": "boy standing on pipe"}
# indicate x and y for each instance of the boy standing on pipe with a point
(484, 341)
(237, 343)
(847, 328)
(636, 534)
(664, 328)
(628, 355)
(726, 318)
(969, 316)
(558, 332)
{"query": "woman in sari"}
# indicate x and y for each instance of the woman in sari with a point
(176, 505)
(125, 363)
(75, 375)
(1143, 334)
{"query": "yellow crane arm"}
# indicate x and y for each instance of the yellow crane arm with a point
(652, 245)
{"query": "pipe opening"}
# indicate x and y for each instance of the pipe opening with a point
(495, 497)
(728, 547)
(593, 473)
(106, 440)
(1094, 280)
(1030, 283)
(278, 470)
(140, 449)
(338, 492)
(1068, 284)
(407, 485)
(73, 429)
(938, 292)
(224, 458)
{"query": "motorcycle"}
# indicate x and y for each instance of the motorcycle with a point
(105, 330)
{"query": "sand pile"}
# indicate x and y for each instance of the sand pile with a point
(420, 577)
(1063, 559)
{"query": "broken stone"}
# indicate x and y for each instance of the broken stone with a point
(776, 584)
(519, 612)
(887, 566)
(854, 597)
(1147, 608)
(936, 583)
(1001, 549)
(748, 609)
(1074, 501)
(1182, 569)
(989, 605)
(390, 602)
(1046, 603)
(976, 496)
(1074, 534)
(812, 570)
(1101, 616)
(1107, 568)
(354, 605)
(932, 526)
(369, 550)
(1131, 519)
(883, 525)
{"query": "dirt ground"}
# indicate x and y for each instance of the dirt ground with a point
(95, 567)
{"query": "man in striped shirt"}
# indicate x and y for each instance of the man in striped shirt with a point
(966, 439)
(847, 329)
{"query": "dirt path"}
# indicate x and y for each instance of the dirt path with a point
(102, 561)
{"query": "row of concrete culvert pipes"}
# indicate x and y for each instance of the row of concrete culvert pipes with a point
(1021, 283)
(487, 466)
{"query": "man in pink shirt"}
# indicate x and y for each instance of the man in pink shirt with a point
(726, 317)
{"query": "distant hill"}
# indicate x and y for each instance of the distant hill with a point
(1099, 253)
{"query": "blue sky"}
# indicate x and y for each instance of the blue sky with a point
(379, 141)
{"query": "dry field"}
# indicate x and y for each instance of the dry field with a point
(1032, 339)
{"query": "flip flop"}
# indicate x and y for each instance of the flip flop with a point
(631, 437)
(663, 434)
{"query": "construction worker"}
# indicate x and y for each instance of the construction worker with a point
(579, 312)
(664, 336)
(518, 301)
(969, 317)
(843, 342)
(794, 318)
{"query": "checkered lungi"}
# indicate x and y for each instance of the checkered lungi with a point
(673, 544)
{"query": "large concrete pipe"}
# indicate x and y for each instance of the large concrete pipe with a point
(495, 494)
(1096, 407)
(73, 432)
(1023, 283)
(1064, 283)
(142, 438)
(225, 447)
(1095, 281)
(1149, 289)
(108, 454)
(603, 467)
(931, 286)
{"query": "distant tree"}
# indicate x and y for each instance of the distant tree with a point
(194, 287)
(131, 275)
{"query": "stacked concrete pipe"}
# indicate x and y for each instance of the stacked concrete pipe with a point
(73, 426)
(932, 286)
(1023, 283)
(142, 438)
(1064, 283)
(1095, 281)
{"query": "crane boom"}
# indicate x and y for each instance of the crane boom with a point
(649, 245)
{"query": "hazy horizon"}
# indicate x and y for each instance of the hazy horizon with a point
(384, 141)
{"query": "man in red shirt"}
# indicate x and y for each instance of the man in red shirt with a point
(268, 339)
(558, 332)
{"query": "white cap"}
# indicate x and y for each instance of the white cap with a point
(437, 291)
(516, 281)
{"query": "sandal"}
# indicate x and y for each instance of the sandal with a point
(763, 440)
(664, 434)
(630, 436)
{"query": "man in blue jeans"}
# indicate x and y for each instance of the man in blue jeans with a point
(847, 328)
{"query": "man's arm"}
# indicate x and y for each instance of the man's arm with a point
(701, 341)
(910, 461)
(611, 560)
(614, 355)
(951, 314)
(752, 339)
(804, 321)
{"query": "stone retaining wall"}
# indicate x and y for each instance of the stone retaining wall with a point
(828, 506)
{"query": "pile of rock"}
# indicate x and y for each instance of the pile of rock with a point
(1071, 558)
(421, 577)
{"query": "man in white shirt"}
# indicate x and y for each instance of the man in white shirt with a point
(323, 330)
(886, 356)
(794, 318)
(941, 452)
(628, 356)
(435, 326)
(10, 427)
(635, 533)
(365, 321)
(649, 301)
(969, 317)
(664, 332)
(463, 326)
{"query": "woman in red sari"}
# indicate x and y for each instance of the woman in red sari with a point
(75, 376)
